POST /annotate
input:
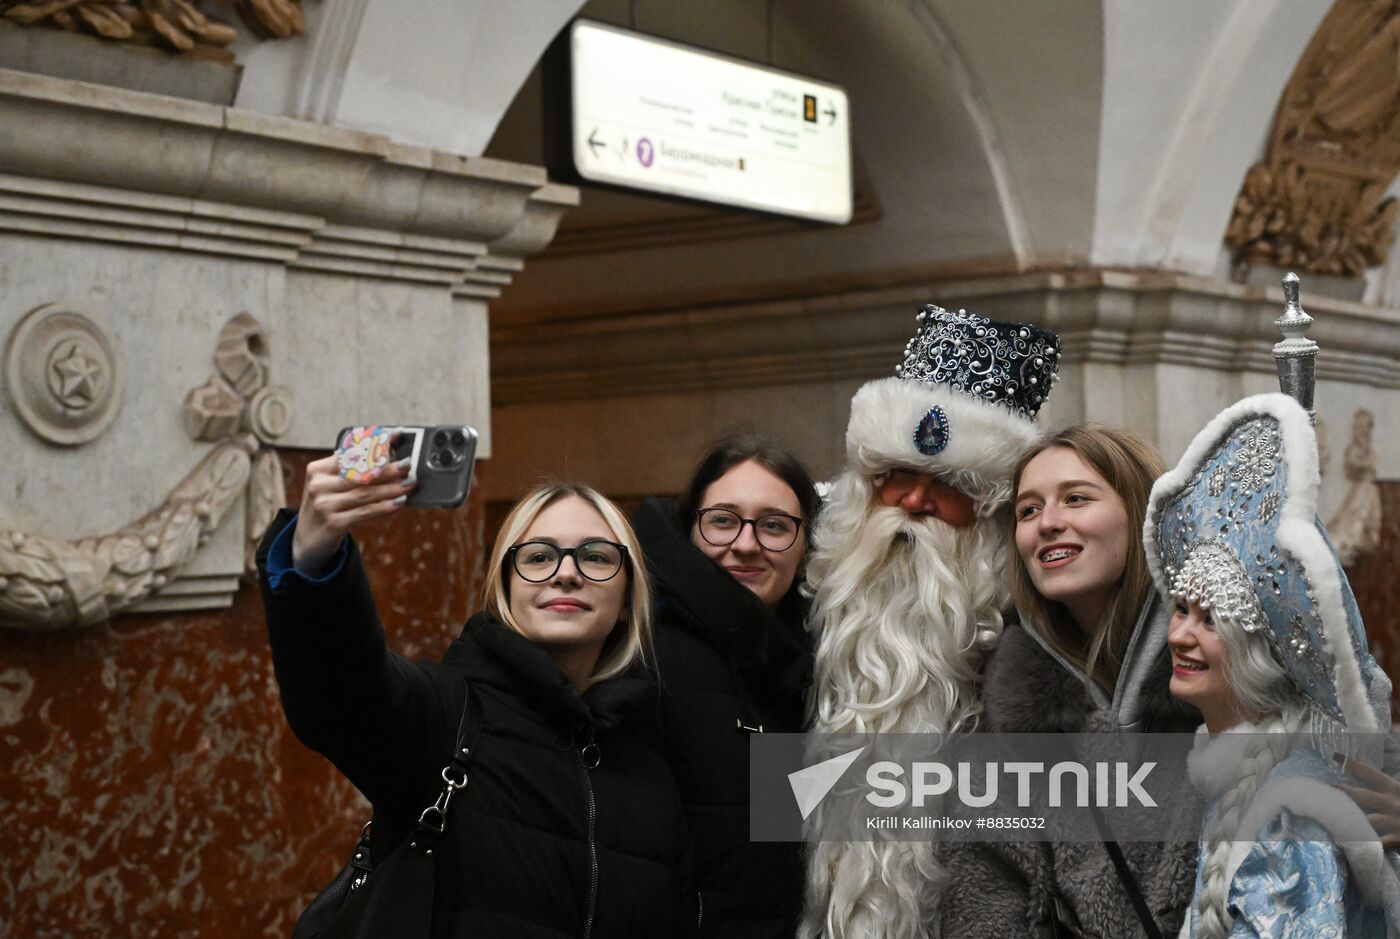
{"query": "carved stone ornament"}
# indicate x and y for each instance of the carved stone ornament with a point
(212, 411)
(1356, 526)
(51, 583)
(1316, 201)
(266, 494)
(48, 583)
(269, 413)
(241, 354)
(174, 25)
(62, 376)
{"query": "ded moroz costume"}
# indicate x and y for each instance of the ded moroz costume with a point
(907, 603)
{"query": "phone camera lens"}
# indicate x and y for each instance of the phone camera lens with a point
(443, 459)
(458, 441)
(440, 439)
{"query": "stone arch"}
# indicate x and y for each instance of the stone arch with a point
(436, 74)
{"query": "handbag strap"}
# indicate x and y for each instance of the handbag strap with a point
(1125, 876)
(1063, 923)
(454, 774)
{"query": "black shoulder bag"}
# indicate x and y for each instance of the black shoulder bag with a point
(395, 897)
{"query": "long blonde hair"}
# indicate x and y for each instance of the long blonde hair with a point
(621, 651)
(1130, 465)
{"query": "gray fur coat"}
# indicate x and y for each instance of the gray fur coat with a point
(1010, 889)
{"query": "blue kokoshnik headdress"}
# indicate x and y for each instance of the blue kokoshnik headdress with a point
(1234, 526)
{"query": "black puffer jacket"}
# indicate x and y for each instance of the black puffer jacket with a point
(726, 663)
(528, 834)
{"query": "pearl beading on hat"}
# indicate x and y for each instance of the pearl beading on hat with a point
(1010, 364)
(1213, 578)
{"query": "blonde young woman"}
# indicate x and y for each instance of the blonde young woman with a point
(1267, 642)
(570, 826)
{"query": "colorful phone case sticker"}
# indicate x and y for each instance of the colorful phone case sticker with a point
(364, 452)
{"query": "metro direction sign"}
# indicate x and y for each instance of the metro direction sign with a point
(645, 113)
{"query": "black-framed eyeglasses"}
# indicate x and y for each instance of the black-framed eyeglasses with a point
(775, 531)
(537, 561)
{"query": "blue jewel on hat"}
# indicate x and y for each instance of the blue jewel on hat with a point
(931, 436)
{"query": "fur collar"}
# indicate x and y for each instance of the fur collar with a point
(1027, 690)
(1214, 761)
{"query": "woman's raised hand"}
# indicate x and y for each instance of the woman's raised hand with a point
(1379, 798)
(332, 505)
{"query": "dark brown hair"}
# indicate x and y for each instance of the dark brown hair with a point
(735, 448)
(1130, 465)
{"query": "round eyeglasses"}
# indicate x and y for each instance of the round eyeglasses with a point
(537, 561)
(774, 531)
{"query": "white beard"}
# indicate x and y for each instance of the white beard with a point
(906, 609)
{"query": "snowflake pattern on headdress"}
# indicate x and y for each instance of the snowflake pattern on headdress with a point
(1217, 544)
(1256, 457)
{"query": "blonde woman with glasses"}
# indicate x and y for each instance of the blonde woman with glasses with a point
(569, 826)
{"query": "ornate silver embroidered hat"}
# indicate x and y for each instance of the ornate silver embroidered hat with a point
(1234, 527)
(962, 403)
(1011, 364)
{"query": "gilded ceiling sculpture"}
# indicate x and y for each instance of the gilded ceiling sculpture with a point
(49, 583)
(1316, 202)
(174, 25)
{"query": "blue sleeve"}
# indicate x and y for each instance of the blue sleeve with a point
(1291, 885)
(282, 574)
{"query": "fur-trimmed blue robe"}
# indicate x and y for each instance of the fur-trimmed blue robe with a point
(1305, 863)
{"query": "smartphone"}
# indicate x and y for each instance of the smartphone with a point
(442, 460)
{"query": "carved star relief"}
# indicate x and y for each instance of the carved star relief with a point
(74, 377)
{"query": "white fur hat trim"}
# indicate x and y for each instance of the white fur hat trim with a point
(983, 440)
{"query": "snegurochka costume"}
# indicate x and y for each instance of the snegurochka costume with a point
(1234, 528)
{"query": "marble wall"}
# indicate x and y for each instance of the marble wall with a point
(1378, 592)
(152, 786)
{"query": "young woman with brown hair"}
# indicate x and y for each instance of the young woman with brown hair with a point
(1088, 654)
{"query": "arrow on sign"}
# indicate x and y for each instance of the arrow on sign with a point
(593, 142)
(831, 113)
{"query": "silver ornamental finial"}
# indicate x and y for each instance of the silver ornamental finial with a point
(1295, 355)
